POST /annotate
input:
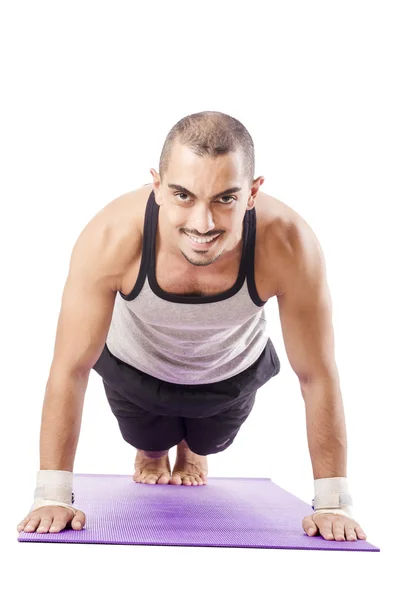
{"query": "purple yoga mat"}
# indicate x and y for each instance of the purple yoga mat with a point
(227, 512)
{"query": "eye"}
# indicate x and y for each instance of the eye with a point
(232, 197)
(180, 194)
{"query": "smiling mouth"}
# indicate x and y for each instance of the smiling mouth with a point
(202, 244)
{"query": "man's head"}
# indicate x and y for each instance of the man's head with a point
(203, 155)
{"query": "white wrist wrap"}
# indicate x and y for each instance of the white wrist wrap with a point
(54, 488)
(331, 495)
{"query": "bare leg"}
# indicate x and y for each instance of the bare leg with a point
(150, 454)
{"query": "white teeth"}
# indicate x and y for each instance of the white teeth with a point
(201, 240)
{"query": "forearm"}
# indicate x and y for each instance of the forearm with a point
(326, 428)
(61, 421)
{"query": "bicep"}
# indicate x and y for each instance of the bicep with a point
(305, 309)
(86, 310)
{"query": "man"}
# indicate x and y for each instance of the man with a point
(164, 299)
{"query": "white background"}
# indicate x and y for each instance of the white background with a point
(89, 93)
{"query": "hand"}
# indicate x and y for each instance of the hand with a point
(51, 519)
(333, 526)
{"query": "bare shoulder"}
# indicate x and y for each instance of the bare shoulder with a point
(287, 237)
(114, 234)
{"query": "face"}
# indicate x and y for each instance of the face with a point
(196, 208)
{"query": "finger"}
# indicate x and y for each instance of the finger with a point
(78, 521)
(57, 525)
(22, 524)
(309, 526)
(326, 530)
(350, 533)
(360, 533)
(45, 524)
(32, 524)
(338, 529)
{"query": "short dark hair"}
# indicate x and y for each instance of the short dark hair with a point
(210, 133)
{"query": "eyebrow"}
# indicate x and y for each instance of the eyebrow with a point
(180, 188)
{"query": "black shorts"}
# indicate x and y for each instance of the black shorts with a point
(155, 415)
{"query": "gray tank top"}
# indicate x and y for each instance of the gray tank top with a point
(187, 339)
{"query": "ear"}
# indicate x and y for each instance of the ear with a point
(156, 180)
(254, 191)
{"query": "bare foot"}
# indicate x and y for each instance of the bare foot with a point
(152, 470)
(189, 468)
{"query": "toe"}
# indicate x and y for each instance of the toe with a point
(151, 478)
(165, 478)
(176, 480)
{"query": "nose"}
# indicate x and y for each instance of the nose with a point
(201, 222)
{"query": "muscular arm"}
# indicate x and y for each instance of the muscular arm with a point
(99, 259)
(305, 309)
